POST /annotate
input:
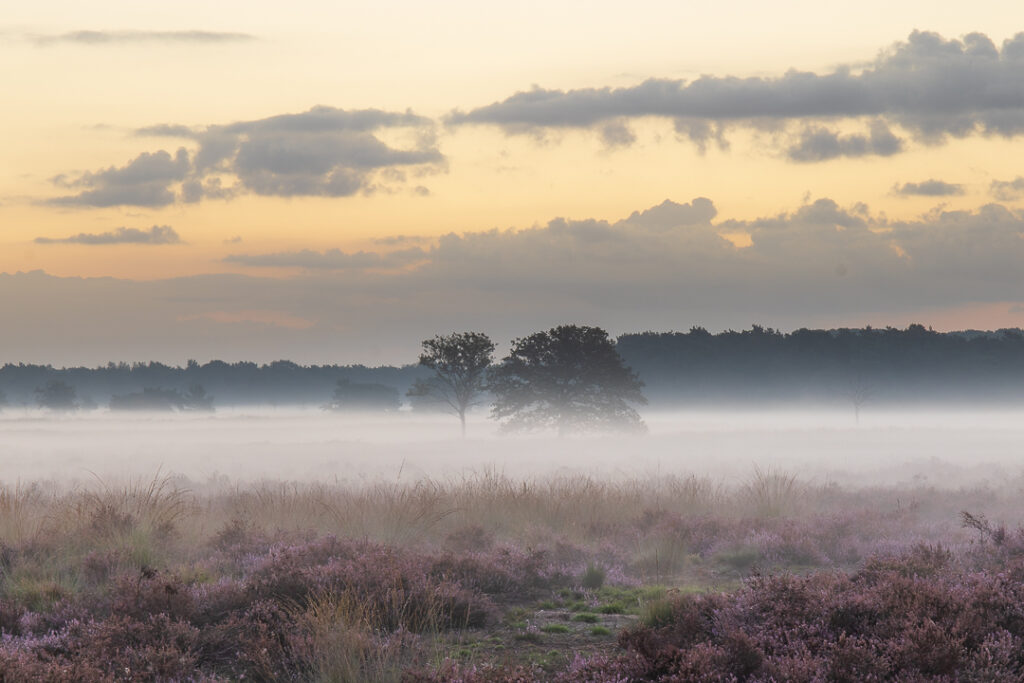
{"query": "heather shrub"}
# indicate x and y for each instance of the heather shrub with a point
(885, 621)
(267, 583)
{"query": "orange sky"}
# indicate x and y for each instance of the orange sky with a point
(82, 79)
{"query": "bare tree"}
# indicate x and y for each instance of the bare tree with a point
(459, 361)
(860, 392)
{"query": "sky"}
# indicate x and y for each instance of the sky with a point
(332, 182)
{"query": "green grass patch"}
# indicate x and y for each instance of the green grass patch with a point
(740, 559)
(612, 608)
(600, 631)
(586, 617)
(555, 628)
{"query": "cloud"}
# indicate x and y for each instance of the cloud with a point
(929, 188)
(130, 37)
(820, 144)
(395, 240)
(927, 85)
(158, 234)
(1007, 190)
(617, 134)
(166, 130)
(667, 266)
(323, 152)
(144, 181)
(331, 259)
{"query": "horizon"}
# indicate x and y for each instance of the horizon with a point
(501, 346)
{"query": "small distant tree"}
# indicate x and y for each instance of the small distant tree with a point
(57, 395)
(460, 363)
(860, 392)
(570, 378)
(197, 399)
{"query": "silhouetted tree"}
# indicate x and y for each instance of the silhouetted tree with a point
(571, 378)
(56, 395)
(460, 363)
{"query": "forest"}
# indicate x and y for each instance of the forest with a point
(760, 365)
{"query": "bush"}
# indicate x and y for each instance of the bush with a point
(593, 578)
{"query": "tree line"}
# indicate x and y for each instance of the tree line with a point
(758, 366)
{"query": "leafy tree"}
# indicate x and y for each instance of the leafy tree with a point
(571, 378)
(459, 361)
(56, 395)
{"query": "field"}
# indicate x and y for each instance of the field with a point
(289, 545)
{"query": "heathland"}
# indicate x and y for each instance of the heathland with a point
(720, 546)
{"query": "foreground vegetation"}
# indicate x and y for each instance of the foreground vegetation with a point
(490, 579)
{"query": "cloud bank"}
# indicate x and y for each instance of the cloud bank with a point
(930, 86)
(665, 267)
(331, 259)
(158, 234)
(323, 152)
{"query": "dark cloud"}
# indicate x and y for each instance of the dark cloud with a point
(144, 181)
(617, 134)
(323, 152)
(928, 85)
(331, 259)
(820, 144)
(127, 37)
(158, 234)
(929, 188)
(1007, 190)
(195, 189)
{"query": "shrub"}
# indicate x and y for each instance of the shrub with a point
(593, 577)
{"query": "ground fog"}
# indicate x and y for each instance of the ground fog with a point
(948, 449)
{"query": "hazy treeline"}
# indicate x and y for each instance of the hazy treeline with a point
(244, 383)
(759, 365)
(839, 366)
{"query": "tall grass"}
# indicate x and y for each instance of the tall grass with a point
(336, 582)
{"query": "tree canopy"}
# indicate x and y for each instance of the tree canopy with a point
(459, 361)
(570, 378)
